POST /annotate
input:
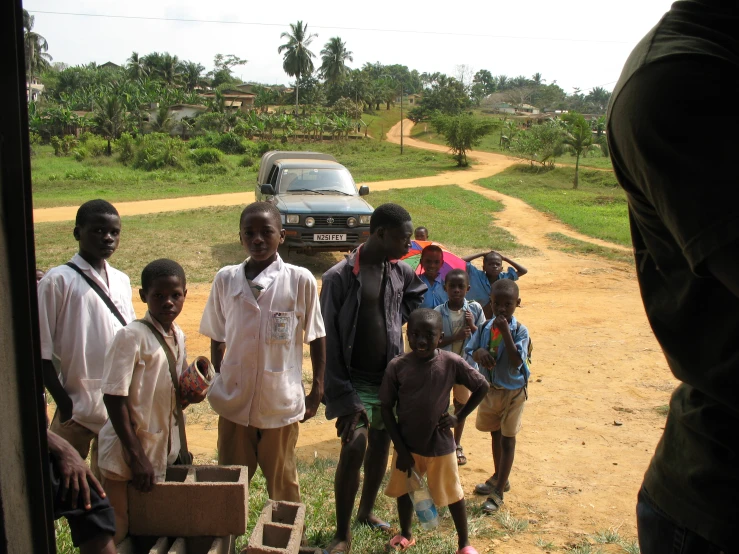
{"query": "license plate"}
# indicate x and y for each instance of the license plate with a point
(329, 237)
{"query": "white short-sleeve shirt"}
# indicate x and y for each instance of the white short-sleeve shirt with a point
(137, 367)
(76, 327)
(260, 383)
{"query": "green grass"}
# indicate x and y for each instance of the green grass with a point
(545, 545)
(575, 246)
(207, 239)
(597, 209)
(62, 181)
(663, 410)
(607, 536)
(380, 122)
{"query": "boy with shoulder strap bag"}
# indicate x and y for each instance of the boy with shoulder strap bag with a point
(142, 392)
(82, 305)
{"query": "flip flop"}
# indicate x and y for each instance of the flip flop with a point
(467, 550)
(383, 526)
(399, 544)
(461, 458)
(486, 488)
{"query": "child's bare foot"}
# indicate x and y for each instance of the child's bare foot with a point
(376, 523)
(338, 546)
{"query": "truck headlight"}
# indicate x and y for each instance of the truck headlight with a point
(309, 222)
(293, 219)
(351, 222)
(364, 219)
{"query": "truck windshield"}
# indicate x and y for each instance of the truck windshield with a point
(322, 181)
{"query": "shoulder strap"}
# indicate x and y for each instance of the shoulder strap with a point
(100, 292)
(184, 452)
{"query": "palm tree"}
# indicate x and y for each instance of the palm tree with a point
(577, 139)
(36, 46)
(136, 66)
(170, 69)
(334, 56)
(109, 117)
(536, 79)
(192, 75)
(297, 58)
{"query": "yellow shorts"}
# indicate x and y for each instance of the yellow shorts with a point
(443, 478)
(502, 410)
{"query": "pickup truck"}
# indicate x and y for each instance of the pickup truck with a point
(321, 208)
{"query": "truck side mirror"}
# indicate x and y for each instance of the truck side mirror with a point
(267, 190)
(363, 190)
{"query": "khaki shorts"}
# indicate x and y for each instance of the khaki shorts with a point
(461, 394)
(273, 450)
(80, 437)
(443, 478)
(501, 410)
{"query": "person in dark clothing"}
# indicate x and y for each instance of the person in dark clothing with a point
(685, 232)
(80, 498)
(364, 308)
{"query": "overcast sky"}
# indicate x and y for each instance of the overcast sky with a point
(578, 43)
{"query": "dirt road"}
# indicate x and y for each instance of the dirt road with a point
(599, 377)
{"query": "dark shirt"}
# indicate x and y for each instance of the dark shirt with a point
(419, 392)
(340, 298)
(674, 148)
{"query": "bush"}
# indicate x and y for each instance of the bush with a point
(262, 147)
(158, 150)
(229, 143)
(95, 145)
(247, 161)
(34, 139)
(80, 153)
(63, 146)
(203, 156)
(125, 147)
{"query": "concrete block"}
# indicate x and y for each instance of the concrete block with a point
(182, 545)
(193, 501)
(278, 530)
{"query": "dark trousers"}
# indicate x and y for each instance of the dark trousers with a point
(658, 534)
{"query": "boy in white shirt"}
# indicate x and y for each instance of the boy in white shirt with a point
(258, 316)
(81, 307)
(143, 434)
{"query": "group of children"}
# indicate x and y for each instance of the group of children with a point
(115, 378)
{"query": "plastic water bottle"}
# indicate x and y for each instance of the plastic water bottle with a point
(423, 504)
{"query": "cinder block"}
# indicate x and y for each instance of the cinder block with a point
(193, 501)
(278, 530)
(190, 545)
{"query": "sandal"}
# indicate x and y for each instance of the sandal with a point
(486, 488)
(492, 504)
(382, 526)
(467, 550)
(461, 458)
(399, 544)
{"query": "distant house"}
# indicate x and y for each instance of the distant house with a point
(414, 99)
(507, 107)
(236, 100)
(34, 90)
(110, 65)
(177, 112)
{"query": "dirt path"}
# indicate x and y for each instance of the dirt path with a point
(599, 377)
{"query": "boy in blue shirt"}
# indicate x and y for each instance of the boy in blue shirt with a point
(432, 258)
(460, 319)
(500, 348)
(492, 271)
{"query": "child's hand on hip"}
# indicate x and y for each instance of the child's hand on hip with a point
(448, 421)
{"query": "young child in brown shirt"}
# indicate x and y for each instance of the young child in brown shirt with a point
(416, 386)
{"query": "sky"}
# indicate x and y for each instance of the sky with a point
(577, 43)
